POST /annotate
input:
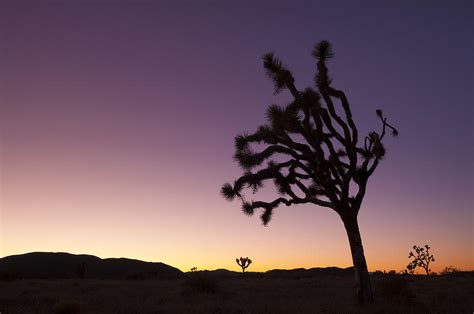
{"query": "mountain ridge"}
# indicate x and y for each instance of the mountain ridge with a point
(58, 265)
(63, 265)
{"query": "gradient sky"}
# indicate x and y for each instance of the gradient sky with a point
(118, 117)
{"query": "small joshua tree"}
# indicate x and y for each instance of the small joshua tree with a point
(194, 269)
(421, 258)
(313, 152)
(243, 262)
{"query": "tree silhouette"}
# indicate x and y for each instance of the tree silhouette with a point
(421, 258)
(243, 262)
(312, 155)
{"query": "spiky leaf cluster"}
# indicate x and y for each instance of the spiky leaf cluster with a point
(311, 152)
(279, 74)
(323, 51)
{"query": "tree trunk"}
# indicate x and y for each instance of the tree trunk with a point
(362, 280)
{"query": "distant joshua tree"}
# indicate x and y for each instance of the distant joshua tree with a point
(312, 155)
(421, 258)
(243, 262)
(194, 269)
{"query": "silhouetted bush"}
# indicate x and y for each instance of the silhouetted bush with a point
(393, 286)
(67, 307)
(450, 270)
(81, 270)
(138, 276)
(199, 283)
(456, 272)
(8, 276)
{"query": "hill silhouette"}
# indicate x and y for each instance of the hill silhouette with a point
(312, 272)
(42, 265)
(296, 273)
(45, 265)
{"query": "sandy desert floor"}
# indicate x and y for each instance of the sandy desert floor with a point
(204, 293)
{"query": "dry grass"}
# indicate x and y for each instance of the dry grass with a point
(251, 294)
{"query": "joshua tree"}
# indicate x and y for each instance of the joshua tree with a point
(243, 262)
(421, 258)
(194, 269)
(312, 155)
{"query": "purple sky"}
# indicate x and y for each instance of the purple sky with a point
(118, 117)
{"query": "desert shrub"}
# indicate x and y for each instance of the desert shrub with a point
(199, 283)
(450, 270)
(392, 286)
(67, 307)
(456, 272)
(136, 276)
(8, 276)
(81, 270)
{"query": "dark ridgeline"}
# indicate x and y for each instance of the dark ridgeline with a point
(313, 155)
(309, 273)
(44, 265)
(41, 265)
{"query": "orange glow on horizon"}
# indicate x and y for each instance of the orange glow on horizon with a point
(117, 126)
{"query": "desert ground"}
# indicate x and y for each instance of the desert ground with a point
(205, 292)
